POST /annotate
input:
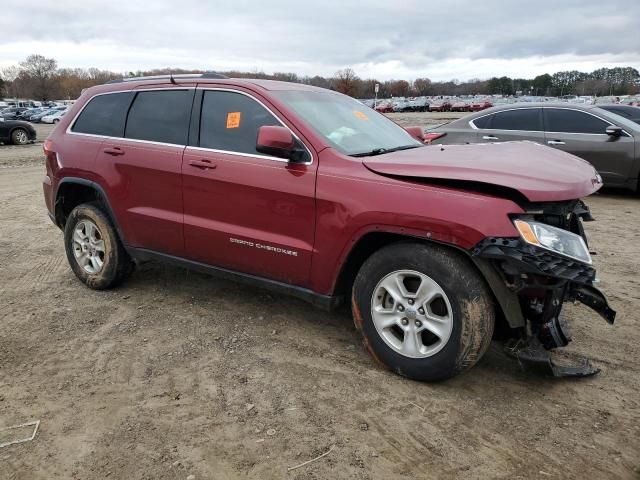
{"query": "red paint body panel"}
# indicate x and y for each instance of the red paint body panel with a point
(353, 201)
(537, 172)
(267, 203)
(250, 213)
(144, 186)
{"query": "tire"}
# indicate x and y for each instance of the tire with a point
(99, 259)
(19, 136)
(460, 310)
(56, 120)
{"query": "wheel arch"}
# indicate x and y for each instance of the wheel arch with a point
(371, 242)
(72, 191)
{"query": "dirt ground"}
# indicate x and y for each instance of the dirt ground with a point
(177, 375)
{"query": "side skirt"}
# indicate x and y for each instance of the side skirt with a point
(324, 302)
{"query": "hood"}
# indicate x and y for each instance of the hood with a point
(539, 173)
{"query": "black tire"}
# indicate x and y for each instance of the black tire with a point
(116, 263)
(19, 136)
(472, 310)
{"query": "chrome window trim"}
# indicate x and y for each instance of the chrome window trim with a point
(233, 152)
(152, 142)
(474, 127)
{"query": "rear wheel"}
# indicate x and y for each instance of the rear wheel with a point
(424, 311)
(19, 136)
(93, 248)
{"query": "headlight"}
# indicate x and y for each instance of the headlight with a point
(554, 239)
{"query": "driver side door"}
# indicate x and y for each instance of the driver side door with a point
(244, 210)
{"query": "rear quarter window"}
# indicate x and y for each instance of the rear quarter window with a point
(160, 116)
(483, 122)
(104, 115)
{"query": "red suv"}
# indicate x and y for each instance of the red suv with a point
(305, 191)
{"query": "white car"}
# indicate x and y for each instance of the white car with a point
(53, 118)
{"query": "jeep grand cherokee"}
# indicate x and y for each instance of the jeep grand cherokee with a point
(309, 192)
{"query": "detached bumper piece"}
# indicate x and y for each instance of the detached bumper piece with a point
(533, 354)
(541, 281)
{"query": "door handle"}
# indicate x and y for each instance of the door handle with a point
(113, 151)
(555, 142)
(490, 137)
(202, 164)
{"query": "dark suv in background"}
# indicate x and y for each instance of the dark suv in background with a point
(306, 191)
(607, 140)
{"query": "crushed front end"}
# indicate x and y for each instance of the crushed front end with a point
(534, 274)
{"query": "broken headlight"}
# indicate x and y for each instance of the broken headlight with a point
(554, 239)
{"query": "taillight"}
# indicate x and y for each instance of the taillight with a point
(430, 137)
(51, 160)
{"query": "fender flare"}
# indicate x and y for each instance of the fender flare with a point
(104, 199)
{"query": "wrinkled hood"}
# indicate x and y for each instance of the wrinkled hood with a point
(539, 173)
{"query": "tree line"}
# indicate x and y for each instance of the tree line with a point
(39, 78)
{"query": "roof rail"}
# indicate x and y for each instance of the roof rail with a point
(169, 76)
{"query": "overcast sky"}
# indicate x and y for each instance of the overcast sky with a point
(385, 39)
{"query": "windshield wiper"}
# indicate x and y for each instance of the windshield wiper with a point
(380, 151)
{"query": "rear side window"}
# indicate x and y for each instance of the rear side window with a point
(104, 115)
(572, 121)
(230, 121)
(160, 116)
(483, 122)
(527, 119)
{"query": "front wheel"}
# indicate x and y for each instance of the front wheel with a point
(424, 310)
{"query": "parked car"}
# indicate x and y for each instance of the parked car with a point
(440, 106)
(53, 117)
(306, 191)
(12, 113)
(626, 111)
(16, 132)
(609, 142)
(460, 107)
(480, 105)
(48, 111)
(384, 107)
(418, 104)
(27, 114)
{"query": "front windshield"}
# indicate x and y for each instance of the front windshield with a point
(351, 127)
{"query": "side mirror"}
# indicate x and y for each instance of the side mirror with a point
(614, 131)
(276, 141)
(416, 132)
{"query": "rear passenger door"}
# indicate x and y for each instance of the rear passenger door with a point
(141, 169)
(511, 125)
(583, 134)
(244, 210)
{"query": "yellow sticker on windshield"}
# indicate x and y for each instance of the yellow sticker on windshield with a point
(233, 119)
(360, 115)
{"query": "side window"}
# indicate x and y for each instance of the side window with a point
(483, 122)
(104, 115)
(572, 121)
(230, 121)
(527, 119)
(160, 116)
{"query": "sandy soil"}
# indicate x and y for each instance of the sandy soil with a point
(177, 374)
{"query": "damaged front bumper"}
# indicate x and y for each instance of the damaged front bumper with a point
(531, 284)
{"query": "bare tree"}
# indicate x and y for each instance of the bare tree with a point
(9, 75)
(347, 82)
(40, 71)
